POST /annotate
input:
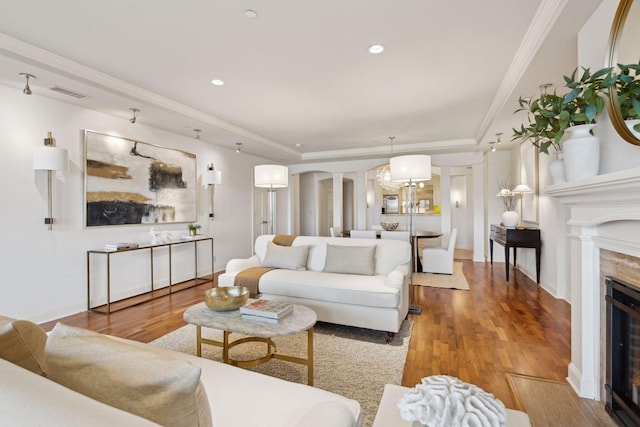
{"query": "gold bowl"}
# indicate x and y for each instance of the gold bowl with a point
(389, 226)
(226, 298)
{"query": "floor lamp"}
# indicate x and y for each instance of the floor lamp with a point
(271, 177)
(411, 169)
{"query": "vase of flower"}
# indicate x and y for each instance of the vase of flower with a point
(510, 218)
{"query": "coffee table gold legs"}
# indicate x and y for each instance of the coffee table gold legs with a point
(226, 345)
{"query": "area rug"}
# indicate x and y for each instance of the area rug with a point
(452, 281)
(549, 402)
(352, 362)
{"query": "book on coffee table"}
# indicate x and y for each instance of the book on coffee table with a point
(267, 308)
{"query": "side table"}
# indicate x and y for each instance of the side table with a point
(388, 414)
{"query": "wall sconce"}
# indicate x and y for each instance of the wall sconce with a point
(271, 177)
(210, 179)
(50, 158)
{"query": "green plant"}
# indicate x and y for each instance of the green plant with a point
(586, 98)
(628, 91)
(543, 127)
(194, 227)
(549, 115)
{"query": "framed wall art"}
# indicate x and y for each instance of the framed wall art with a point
(133, 182)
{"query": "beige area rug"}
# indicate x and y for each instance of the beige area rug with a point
(352, 362)
(452, 281)
(554, 403)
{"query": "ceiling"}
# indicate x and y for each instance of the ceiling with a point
(299, 82)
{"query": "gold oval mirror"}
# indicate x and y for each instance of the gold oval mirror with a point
(623, 49)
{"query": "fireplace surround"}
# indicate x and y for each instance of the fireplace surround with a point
(595, 216)
(622, 387)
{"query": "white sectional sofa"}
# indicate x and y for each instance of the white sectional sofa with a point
(378, 301)
(33, 395)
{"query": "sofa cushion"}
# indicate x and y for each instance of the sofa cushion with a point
(288, 257)
(22, 342)
(142, 381)
(334, 414)
(350, 259)
(353, 289)
(27, 399)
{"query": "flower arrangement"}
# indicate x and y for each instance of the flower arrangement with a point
(509, 198)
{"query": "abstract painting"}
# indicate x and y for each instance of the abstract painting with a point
(133, 182)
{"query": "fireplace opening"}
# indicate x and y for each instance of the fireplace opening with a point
(623, 352)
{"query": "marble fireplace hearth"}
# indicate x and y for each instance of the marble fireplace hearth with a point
(599, 218)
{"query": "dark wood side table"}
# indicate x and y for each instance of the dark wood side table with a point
(516, 238)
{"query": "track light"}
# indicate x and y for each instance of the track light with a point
(197, 131)
(27, 89)
(135, 114)
(492, 146)
(238, 147)
(498, 135)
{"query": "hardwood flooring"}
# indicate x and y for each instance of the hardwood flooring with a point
(477, 335)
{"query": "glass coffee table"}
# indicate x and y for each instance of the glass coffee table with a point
(258, 330)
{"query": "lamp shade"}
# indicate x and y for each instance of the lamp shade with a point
(211, 177)
(271, 176)
(415, 167)
(50, 158)
(522, 188)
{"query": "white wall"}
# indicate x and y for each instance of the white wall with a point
(615, 154)
(44, 272)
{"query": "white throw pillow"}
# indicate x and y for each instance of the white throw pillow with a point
(138, 380)
(287, 257)
(350, 259)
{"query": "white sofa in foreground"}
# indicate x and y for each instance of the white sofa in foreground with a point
(378, 301)
(107, 381)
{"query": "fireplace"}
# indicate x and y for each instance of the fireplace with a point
(623, 352)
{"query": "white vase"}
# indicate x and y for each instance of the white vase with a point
(556, 169)
(630, 124)
(510, 218)
(581, 153)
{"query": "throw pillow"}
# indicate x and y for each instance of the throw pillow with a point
(287, 257)
(137, 380)
(22, 343)
(350, 259)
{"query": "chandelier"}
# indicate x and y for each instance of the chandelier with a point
(383, 175)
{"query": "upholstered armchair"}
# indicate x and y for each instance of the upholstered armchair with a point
(440, 259)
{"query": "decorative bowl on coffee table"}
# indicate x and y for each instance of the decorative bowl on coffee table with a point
(226, 298)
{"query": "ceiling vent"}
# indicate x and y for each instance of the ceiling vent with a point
(68, 92)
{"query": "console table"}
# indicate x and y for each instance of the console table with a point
(515, 238)
(150, 248)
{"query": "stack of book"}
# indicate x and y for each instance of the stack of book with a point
(263, 309)
(119, 246)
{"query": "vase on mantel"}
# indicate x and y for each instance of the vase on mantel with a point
(581, 153)
(510, 218)
(556, 168)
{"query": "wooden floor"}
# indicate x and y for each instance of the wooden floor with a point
(477, 335)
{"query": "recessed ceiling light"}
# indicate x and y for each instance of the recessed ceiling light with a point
(298, 145)
(217, 82)
(376, 49)
(251, 14)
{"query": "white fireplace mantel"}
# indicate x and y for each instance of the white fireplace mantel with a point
(584, 209)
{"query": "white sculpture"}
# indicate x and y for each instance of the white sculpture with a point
(160, 237)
